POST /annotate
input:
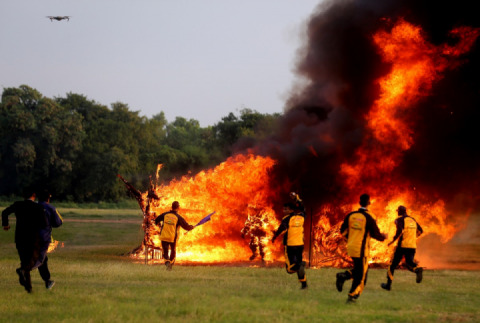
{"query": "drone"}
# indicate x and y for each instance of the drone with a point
(58, 17)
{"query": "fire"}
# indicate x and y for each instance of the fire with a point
(53, 245)
(415, 66)
(234, 189)
(239, 191)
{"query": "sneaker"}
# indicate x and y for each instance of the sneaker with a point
(419, 272)
(386, 286)
(167, 263)
(169, 266)
(351, 300)
(49, 284)
(21, 276)
(340, 281)
(28, 281)
(304, 285)
(253, 257)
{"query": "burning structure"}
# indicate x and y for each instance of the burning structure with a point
(232, 190)
(386, 104)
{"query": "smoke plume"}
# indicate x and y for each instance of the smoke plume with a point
(325, 115)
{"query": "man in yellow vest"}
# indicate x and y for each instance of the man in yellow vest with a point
(292, 226)
(170, 221)
(407, 232)
(358, 227)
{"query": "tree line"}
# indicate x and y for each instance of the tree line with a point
(76, 146)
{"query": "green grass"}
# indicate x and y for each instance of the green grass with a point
(97, 283)
(70, 212)
(110, 214)
(124, 204)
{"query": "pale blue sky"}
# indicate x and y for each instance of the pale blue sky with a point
(197, 59)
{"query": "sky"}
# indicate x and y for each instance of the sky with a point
(198, 59)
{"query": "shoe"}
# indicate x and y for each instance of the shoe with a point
(169, 266)
(301, 270)
(340, 281)
(304, 285)
(351, 299)
(419, 272)
(386, 286)
(49, 284)
(167, 263)
(28, 281)
(252, 257)
(21, 276)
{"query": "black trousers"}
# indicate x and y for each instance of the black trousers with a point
(27, 254)
(33, 255)
(359, 275)
(43, 270)
(408, 254)
(293, 261)
(42, 263)
(166, 246)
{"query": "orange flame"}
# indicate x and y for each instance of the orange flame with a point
(232, 189)
(415, 66)
(239, 185)
(53, 245)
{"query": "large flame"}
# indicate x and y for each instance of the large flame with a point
(236, 190)
(415, 66)
(239, 189)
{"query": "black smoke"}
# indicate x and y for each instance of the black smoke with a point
(324, 124)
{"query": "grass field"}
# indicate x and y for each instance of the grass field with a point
(95, 282)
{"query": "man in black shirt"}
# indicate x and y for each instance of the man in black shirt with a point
(30, 220)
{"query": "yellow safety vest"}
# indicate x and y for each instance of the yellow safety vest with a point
(169, 229)
(357, 225)
(295, 230)
(409, 236)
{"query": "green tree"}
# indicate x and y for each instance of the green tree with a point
(77, 146)
(152, 146)
(186, 147)
(250, 124)
(112, 146)
(40, 141)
